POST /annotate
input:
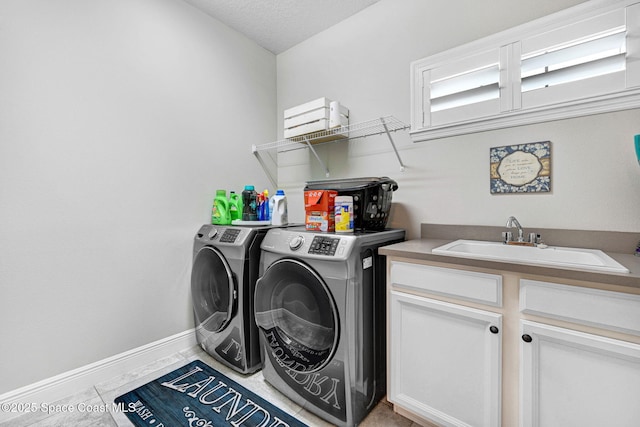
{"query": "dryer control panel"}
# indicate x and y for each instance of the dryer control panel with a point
(309, 245)
(330, 247)
(323, 245)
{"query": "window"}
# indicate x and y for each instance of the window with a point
(467, 88)
(583, 60)
(586, 58)
(463, 89)
(599, 55)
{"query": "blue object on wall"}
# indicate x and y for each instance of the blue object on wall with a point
(637, 141)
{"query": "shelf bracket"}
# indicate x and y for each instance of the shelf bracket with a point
(265, 167)
(326, 170)
(386, 129)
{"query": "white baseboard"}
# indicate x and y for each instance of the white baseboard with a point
(68, 383)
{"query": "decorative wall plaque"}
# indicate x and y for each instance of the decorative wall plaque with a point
(524, 168)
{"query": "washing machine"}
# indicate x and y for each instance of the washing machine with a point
(321, 313)
(223, 276)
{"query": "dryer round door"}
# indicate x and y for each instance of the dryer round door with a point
(297, 315)
(212, 289)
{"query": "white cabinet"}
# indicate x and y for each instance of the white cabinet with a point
(475, 347)
(572, 378)
(615, 311)
(444, 360)
(575, 379)
(470, 286)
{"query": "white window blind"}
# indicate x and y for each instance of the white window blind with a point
(468, 88)
(577, 60)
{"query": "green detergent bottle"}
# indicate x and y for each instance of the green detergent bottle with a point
(235, 206)
(220, 212)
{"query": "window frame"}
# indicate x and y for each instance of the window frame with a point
(615, 92)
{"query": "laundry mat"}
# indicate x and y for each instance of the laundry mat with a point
(198, 395)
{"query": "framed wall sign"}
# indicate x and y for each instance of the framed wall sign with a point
(524, 168)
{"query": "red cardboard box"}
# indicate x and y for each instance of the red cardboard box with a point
(319, 208)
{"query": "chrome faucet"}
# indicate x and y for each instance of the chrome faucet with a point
(513, 222)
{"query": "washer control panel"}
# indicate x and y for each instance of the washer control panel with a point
(324, 245)
(230, 235)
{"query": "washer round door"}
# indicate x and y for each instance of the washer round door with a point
(212, 289)
(297, 315)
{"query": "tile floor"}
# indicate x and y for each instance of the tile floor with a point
(104, 393)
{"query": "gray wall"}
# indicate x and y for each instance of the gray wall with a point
(364, 63)
(118, 121)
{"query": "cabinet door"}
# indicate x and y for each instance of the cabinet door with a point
(570, 378)
(445, 361)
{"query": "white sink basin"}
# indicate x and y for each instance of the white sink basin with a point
(552, 256)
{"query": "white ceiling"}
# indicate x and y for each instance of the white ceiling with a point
(278, 25)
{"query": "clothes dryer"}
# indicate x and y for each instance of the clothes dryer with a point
(224, 273)
(321, 311)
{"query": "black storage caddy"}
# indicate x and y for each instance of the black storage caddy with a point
(371, 198)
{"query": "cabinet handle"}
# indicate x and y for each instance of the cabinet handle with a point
(494, 329)
(527, 338)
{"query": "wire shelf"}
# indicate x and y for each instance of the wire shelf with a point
(357, 130)
(383, 125)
